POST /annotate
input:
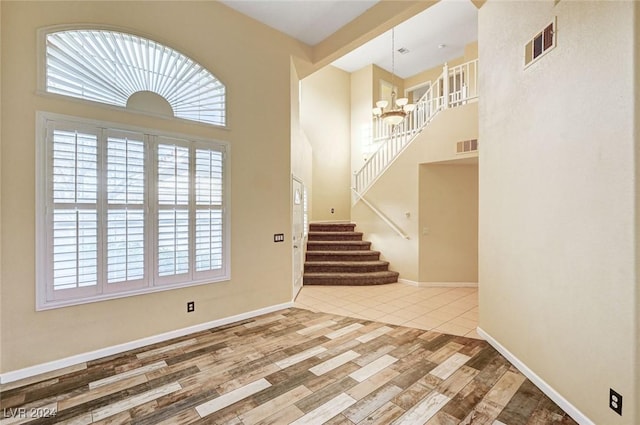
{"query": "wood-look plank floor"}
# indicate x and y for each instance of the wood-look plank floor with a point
(291, 367)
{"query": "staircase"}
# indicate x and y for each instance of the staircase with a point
(337, 255)
(456, 86)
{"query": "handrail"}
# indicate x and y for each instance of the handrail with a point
(381, 215)
(458, 88)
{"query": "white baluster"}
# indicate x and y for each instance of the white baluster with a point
(445, 85)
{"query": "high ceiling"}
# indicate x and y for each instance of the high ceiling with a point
(309, 21)
(451, 24)
(432, 37)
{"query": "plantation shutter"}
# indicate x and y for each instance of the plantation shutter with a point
(209, 195)
(108, 67)
(125, 239)
(173, 171)
(73, 225)
(126, 211)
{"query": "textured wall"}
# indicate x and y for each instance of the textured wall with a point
(557, 192)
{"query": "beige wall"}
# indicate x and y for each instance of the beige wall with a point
(471, 51)
(448, 225)
(254, 62)
(396, 192)
(557, 267)
(326, 120)
(361, 118)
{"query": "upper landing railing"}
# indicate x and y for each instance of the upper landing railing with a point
(459, 88)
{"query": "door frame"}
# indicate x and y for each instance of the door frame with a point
(298, 236)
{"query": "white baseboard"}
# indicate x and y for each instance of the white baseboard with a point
(439, 284)
(564, 404)
(331, 222)
(448, 284)
(120, 348)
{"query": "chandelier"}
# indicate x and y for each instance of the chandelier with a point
(395, 113)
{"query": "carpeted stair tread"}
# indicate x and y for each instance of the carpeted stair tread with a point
(367, 263)
(338, 245)
(335, 236)
(373, 278)
(352, 255)
(346, 266)
(331, 227)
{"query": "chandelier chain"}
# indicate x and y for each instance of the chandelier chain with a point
(393, 62)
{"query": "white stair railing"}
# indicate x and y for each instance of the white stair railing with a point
(459, 88)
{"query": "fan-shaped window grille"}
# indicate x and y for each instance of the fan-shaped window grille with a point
(109, 67)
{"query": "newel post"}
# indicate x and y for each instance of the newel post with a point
(445, 86)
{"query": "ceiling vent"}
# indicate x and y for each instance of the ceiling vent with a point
(467, 146)
(403, 50)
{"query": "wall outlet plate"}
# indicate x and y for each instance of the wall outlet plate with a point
(615, 401)
(278, 237)
(191, 306)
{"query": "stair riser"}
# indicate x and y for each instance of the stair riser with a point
(318, 227)
(350, 281)
(354, 268)
(319, 246)
(311, 256)
(326, 236)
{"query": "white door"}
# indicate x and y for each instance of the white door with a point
(298, 232)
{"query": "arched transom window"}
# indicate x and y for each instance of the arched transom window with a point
(111, 67)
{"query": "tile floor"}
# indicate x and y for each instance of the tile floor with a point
(447, 310)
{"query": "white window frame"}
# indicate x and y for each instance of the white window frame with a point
(152, 282)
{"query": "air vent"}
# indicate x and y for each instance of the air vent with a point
(544, 41)
(467, 146)
(403, 50)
